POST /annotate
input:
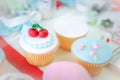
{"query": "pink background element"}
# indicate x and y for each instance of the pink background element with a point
(65, 71)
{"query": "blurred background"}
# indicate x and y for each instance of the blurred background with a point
(102, 18)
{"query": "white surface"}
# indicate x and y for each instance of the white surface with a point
(71, 25)
(107, 73)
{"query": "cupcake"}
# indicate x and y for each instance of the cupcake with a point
(93, 54)
(39, 44)
(65, 71)
(68, 29)
(15, 76)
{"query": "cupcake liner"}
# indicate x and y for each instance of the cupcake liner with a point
(65, 43)
(93, 69)
(40, 59)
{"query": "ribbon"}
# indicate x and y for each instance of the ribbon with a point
(4, 30)
(19, 61)
(12, 55)
(15, 24)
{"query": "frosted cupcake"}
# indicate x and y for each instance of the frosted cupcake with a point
(65, 71)
(38, 44)
(93, 54)
(69, 29)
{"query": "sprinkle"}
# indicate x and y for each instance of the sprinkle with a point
(80, 46)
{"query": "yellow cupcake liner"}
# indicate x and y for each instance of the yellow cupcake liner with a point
(41, 59)
(93, 69)
(65, 42)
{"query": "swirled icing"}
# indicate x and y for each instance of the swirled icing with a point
(37, 44)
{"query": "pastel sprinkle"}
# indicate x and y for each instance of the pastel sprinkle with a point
(80, 46)
(92, 52)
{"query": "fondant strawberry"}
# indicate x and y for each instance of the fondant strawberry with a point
(43, 33)
(33, 32)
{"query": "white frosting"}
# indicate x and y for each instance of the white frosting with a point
(36, 40)
(74, 26)
(37, 45)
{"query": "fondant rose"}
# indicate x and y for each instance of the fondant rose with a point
(92, 52)
(96, 46)
(80, 46)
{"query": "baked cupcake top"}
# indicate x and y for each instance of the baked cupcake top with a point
(65, 71)
(71, 27)
(39, 40)
(1, 55)
(92, 50)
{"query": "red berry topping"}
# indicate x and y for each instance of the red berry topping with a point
(33, 32)
(43, 33)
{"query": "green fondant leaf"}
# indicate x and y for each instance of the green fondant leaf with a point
(95, 57)
(85, 47)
